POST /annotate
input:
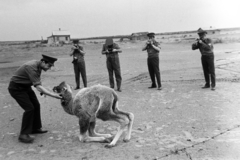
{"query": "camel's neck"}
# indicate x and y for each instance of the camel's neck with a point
(67, 103)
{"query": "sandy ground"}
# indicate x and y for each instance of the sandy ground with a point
(182, 121)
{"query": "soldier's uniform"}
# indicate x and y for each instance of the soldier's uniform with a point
(79, 67)
(206, 49)
(153, 63)
(29, 74)
(113, 63)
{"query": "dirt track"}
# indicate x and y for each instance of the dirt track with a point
(182, 121)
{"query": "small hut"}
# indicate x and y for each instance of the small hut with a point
(139, 36)
(59, 37)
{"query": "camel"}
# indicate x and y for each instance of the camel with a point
(91, 103)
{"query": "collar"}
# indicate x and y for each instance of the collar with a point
(39, 66)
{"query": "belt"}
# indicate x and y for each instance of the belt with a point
(112, 54)
(13, 85)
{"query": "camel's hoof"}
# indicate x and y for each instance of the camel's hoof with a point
(108, 136)
(108, 140)
(109, 146)
(126, 140)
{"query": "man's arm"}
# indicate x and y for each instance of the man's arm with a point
(207, 45)
(104, 51)
(71, 52)
(195, 46)
(156, 47)
(43, 90)
(145, 46)
(116, 48)
(81, 50)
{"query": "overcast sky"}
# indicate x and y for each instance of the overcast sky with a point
(33, 19)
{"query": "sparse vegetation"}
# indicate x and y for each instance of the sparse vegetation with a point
(217, 41)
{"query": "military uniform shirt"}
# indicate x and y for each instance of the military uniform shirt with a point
(206, 48)
(28, 74)
(76, 53)
(115, 46)
(153, 52)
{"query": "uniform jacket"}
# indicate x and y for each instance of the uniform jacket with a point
(110, 54)
(206, 48)
(151, 51)
(77, 55)
(28, 74)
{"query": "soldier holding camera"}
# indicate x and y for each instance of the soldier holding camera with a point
(78, 63)
(111, 50)
(153, 49)
(205, 46)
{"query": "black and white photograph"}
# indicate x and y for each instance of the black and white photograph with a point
(119, 80)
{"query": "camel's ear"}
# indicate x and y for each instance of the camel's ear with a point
(64, 89)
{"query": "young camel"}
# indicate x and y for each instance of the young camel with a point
(91, 103)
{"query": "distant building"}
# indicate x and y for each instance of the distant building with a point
(168, 36)
(211, 30)
(230, 30)
(139, 36)
(59, 37)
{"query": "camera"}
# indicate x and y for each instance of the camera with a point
(75, 60)
(76, 46)
(149, 44)
(199, 39)
(110, 48)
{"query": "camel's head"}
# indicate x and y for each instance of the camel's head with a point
(63, 88)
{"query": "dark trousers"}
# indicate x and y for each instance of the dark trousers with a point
(209, 70)
(79, 68)
(113, 66)
(27, 99)
(153, 68)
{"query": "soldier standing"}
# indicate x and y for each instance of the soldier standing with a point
(111, 50)
(78, 63)
(153, 49)
(205, 46)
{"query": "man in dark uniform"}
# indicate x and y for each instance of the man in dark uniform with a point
(111, 50)
(79, 64)
(29, 74)
(153, 49)
(205, 46)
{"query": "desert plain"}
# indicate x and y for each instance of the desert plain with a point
(182, 121)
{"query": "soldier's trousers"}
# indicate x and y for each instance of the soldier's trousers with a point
(153, 68)
(27, 99)
(209, 70)
(79, 68)
(113, 66)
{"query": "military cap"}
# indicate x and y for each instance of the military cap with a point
(75, 41)
(151, 34)
(109, 41)
(49, 59)
(201, 31)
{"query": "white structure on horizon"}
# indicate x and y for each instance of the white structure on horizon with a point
(59, 36)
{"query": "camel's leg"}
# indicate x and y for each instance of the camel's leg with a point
(123, 120)
(130, 124)
(129, 130)
(92, 132)
(111, 112)
(84, 123)
(86, 138)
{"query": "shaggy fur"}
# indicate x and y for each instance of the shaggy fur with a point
(95, 102)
